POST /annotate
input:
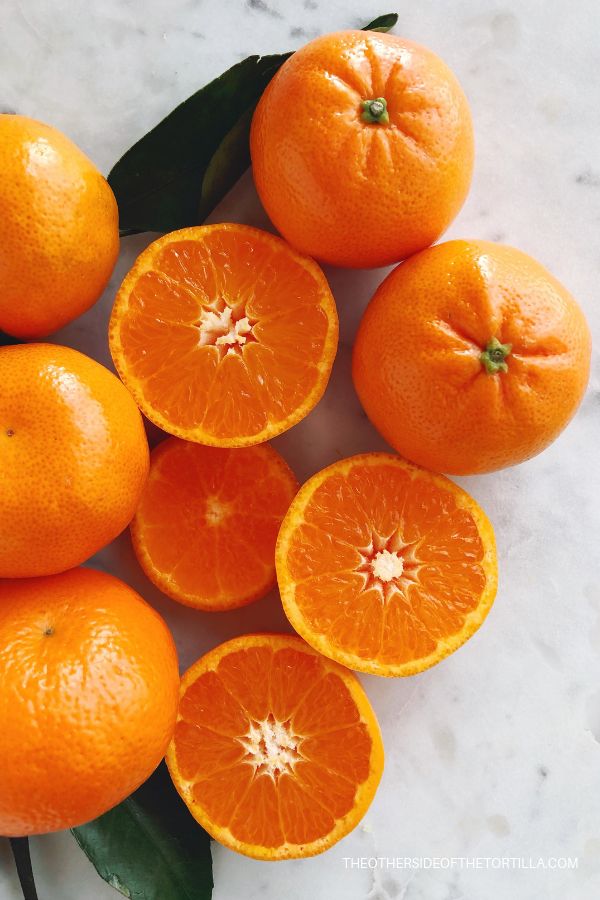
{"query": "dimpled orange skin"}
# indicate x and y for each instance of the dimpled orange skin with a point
(90, 688)
(349, 192)
(417, 364)
(59, 229)
(73, 459)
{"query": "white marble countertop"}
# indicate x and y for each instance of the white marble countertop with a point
(496, 751)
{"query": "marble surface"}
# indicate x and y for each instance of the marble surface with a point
(496, 751)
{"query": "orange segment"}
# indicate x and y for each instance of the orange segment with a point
(335, 793)
(277, 752)
(207, 523)
(205, 753)
(220, 794)
(224, 334)
(385, 567)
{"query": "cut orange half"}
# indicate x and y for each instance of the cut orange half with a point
(276, 752)
(206, 526)
(224, 334)
(385, 567)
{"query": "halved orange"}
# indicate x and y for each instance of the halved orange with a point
(206, 525)
(276, 752)
(385, 567)
(224, 334)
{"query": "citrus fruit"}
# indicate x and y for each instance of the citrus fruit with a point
(276, 752)
(73, 459)
(89, 697)
(59, 228)
(224, 334)
(471, 357)
(362, 148)
(206, 526)
(385, 567)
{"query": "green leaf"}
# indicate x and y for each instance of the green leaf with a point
(229, 162)
(150, 847)
(382, 23)
(158, 182)
(8, 339)
(178, 172)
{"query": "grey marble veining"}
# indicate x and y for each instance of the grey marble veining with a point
(496, 751)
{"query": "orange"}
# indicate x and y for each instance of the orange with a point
(362, 148)
(89, 697)
(59, 229)
(471, 357)
(224, 334)
(276, 752)
(73, 459)
(207, 522)
(385, 567)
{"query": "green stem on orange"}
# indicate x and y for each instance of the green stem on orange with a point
(493, 358)
(20, 851)
(375, 111)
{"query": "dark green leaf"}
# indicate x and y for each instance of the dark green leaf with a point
(178, 172)
(158, 182)
(382, 23)
(149, 847)
(7, 339)
(230, 161)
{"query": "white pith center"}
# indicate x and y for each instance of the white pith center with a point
(218, 327)
(386, 566)
(215, 511)
(271, 747)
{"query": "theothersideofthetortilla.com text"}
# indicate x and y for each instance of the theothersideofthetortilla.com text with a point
(460, 862)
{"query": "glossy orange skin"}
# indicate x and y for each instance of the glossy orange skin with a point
(73, 459)
(89, 698)
(353, 193)
(59, 229)
(417, 367)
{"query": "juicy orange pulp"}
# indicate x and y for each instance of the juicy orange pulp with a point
(276, 751)
(224, 334)
(384, 566)
(206, 526)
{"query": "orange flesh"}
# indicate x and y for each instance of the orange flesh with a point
(224, 334)
(382, 565)
(276, 750)
(207, 523)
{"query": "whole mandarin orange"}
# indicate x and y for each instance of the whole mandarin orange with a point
(59, 229)
(89, 696)
(470, 357)
(73, 458)
(362, 148)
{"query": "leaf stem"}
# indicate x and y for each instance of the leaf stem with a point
(20, 851)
